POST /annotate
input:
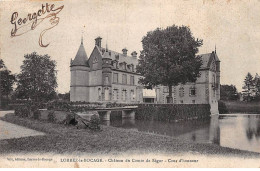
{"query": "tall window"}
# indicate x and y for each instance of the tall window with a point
(132, 80)
(107, 97)
(132, 95)
(124, 78)
(192, 91)
(181, 91)
(166, 89)
(115, 78)
(115, 94)
(99, 93)
(106, 80)
(124, 95)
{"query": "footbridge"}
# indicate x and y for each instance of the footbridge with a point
(104, 113)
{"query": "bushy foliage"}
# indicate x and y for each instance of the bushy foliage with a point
(169, 58)
(228, 92)
(36, 114)
(37, 79)
(51, 116)
(222, 108)
(172, 112)
(7, 81)
(22, 111)
(72, 106)
(94, 122)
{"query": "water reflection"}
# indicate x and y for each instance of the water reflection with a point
(253, 128)
(235, 131)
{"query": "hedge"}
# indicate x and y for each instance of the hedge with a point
(168, 112)
(172, 112)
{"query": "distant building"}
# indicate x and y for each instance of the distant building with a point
(108, 76)
(206, 90)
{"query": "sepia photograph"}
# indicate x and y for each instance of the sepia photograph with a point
(130, 84)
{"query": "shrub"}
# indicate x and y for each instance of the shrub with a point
(72, 106)
(22, 111)
(94, 122)
(51, 116)
(70, 119)
(171, 112)
(36, 114)
(222, 108)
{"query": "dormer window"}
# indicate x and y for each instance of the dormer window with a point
(123, 64)
(117, 57)
(132, 68)
(95, 60)
(117, 67)
(129, 67)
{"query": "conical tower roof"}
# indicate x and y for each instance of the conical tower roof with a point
(81, 57)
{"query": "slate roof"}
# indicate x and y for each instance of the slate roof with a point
(81, 57)
(122, 57)
(207, 59)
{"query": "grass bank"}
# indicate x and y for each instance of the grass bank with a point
(62, 139)
(243, 107)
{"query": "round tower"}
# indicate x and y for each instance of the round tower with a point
(79, 69)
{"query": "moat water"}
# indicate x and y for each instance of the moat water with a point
(239, 131)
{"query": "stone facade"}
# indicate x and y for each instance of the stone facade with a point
(108, 76)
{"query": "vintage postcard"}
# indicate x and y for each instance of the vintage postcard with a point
(130, 83)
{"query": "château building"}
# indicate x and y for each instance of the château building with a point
(206, 89)
(109, 76)
(106, 76)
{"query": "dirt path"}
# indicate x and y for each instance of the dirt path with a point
(9, 130)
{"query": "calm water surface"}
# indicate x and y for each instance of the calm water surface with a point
(240, 131)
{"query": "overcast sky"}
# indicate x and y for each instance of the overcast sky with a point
(233, 25)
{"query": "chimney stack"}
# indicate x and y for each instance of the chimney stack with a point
(98, 41)
(134, 54)
(124, 51)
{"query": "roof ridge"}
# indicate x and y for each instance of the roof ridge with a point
(116, 52)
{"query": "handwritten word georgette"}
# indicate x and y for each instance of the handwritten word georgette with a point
(31, 21)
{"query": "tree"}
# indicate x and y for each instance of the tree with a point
(249, 87)
(228, 92)
(257, 86)
(37, 79)
(169, 58)
(6, 81)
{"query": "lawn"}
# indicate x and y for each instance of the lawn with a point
(243, 107)
(63, 139)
